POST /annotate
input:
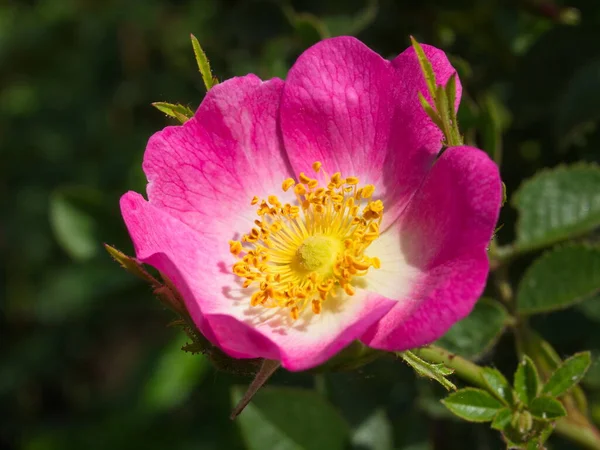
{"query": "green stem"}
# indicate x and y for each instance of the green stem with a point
(587, 436)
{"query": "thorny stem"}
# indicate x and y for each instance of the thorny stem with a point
(586, 435)
(267, 369)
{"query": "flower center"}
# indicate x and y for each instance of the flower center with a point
(318, 252)
(303, 253)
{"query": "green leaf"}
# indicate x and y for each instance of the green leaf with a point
(450, 93)
(557, 204)
(498, 385)
(426, 68)
(547, 361)
(474, 405)
(502, 419)
(527, 381)
(179, 112)
(547, 408)
(568, 374)
(477, 333)
(375, 433)
(131, 265)
(203, 64)
(288, 418)
(174, 377)
(74, 216)
(559, 278)
(437, 372)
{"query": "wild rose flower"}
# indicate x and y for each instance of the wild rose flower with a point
(296, 217)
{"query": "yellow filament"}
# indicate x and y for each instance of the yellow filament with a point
(299, 256)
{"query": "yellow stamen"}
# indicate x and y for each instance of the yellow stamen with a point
(300, 255)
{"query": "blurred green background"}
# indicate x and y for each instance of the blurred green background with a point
(86, 361)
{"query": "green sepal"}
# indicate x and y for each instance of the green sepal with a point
(131, 265)
(180, 112)
(433, 115)
(437, 372)
(426, 68)
(203, 64)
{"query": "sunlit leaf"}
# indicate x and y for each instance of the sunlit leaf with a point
(474, 405)
(527, 381)
(568, 374)
(498, 384)
(547, 408)
(502, 419)
(557, 204)
(560, 278)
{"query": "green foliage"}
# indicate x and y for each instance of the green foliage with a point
(131, 265)
(477, 333)
(556, 205)
(437, 372)
(87, 361)
(502, 419)
(291, 418)
(179, 112)
(474, 405)
(559, 278)
(203, 65)
(568, 374)
(547, 408)
(498, 385)
(527, 381)
(426, 69)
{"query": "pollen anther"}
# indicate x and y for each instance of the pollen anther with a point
(299, 255)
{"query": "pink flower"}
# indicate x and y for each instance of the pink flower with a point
(296, 217)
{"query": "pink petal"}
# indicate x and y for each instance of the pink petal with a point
(444, 233)
(359, 114)
(206, 171)
(200, 267)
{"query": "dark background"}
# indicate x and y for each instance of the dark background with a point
(86, 361)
